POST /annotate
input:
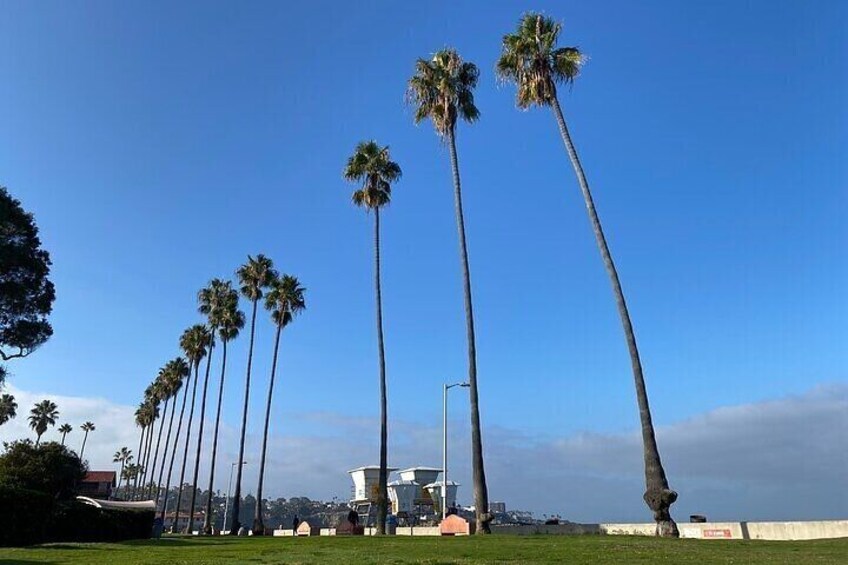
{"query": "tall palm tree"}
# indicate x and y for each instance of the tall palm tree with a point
(65, 429)
(285, 301)
(42, 416)
(442, 89)
(209, 300)
(151, 414)
(86, 427)
(178, 370)
(371, 167)
(141, 422)
(229, 320)
(8, 408)
(193, 342)
(254, 276)
(163, 397)
(531, 59)
(123, 456)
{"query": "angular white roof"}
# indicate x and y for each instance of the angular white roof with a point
(372, 468)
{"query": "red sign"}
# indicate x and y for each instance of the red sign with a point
(722, 533)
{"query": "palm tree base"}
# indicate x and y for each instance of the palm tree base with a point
(483, 524)
(258, 528)
(660, 501)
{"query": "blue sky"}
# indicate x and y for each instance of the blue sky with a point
(158, 145)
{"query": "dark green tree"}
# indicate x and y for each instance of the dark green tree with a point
(254, 277)
(372, 168)
(26, 294)
(50, 468)
(65, 429)
(442, 90)
(532, 61)
(285, 301)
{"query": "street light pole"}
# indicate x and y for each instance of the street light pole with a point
(229, 485)
(445, 444)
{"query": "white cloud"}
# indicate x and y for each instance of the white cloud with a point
(780, 459)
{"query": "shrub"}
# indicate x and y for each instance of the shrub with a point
(49, 468)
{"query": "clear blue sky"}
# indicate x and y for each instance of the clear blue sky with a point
(158, 145)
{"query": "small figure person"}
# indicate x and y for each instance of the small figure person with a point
(353, 518)
(295, 523)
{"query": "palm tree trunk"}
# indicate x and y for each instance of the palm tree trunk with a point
(481, 494)
(82, 449)
(200, 436)
(165, 452)
(156, 451)
(658, 496)
(120, 477)
(148, 450)
(258, 523)
(234, 521)
(207, 519)
(383, 477)
(139, 453)
(174, 525)
(38, 440)
(63, 437)
(176, 444)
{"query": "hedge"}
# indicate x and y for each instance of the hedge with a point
(29, 517)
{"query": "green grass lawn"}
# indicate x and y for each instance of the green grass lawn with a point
(593, 550)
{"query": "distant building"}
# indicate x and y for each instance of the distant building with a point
(97, 484)
(497, 507)
(197, 523)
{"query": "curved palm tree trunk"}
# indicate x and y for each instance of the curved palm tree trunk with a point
(82, 449)
(165, 452)
(156, 451)
(383, 477)
(175, 524)
(481, 493)
(147, 453)
(174, 448)
(258, 522)
(140, 454)
(120, 478)
(207, 519)
(63, 437)
(658, 496)
(193, 498)
(235, 524)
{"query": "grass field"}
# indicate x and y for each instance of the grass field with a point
(595, 550)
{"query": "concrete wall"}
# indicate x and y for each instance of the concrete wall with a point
(558, 529)
(418, 531)
(742, 530)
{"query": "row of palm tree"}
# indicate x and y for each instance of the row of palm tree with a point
(44, 415)
(442, 90)
(219, 303)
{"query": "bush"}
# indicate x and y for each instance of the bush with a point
(50, 468)
(24, 516)
(37, 486)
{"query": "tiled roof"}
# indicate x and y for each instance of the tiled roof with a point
(99, 477)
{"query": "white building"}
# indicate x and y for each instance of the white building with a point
(365, 483)
(435, 491)
(402, 494)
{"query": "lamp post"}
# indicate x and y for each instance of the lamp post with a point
(447, 387)
(229, 485)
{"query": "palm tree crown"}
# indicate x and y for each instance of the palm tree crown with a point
(87, 427)
(8, 408)
(531, 59)
(255, 275)
(65, 429)
(285, 299)
(41, 416)
(371, 165)
(442, 89)
(194, 343)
